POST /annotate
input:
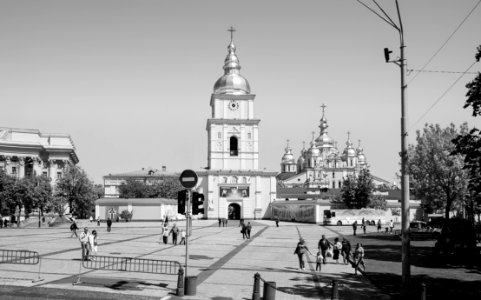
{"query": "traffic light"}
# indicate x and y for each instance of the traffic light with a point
(181, 199)
(197, 203)
(386, 54)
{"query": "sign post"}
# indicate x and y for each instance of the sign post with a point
(188, 179)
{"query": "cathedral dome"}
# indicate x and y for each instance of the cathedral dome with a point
(232, 82)
(288, 157)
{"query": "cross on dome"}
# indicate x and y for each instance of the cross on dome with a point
(232, 30)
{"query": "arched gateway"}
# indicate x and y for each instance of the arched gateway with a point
(234, 211)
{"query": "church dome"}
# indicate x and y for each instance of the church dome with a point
(361, 158)
(232, 82)
(288, 157)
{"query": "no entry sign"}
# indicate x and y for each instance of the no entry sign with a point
(188, 179)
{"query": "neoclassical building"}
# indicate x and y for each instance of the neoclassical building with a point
(233, 185)
(28, 152)
(322, 165)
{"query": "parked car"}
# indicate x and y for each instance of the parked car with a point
(422, 230)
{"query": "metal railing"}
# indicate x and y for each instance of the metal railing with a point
(21, 257)
(130, 264)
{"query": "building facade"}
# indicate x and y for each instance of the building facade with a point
(28, 152)
(232, 183)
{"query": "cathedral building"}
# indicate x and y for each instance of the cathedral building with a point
(322, 165)
(232, 183)
(28, 152)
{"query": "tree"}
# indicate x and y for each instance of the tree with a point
(76, 190)
(469, 143)
(165, 188)
(356, 192)
(437, 177)
(377, 202)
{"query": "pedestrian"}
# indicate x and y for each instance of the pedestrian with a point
(98, 221)
(91, 219)
(84, 243)
(165, 233)
(354, 227)
(319, 259)
(166, 222)
(345, 250)
(109, 224)
(364, 228)
(73, 229)
(379, 227)
(359, 258)
(300, 250)
(175, 232)
(5, 223)
(277, 221)
(391, 226)
(223, 222)
(243, 230)
(182, 237)
(93, 242)
(220, 221)
(248, 230)
(337, 249)
(226, 219)
(323, 246)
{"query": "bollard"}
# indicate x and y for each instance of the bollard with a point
(335, 292)
(256, 294)
(269, 290)
(180, 283)
(423, 291)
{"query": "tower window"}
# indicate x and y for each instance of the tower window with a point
(233, 146)
(219, 135)
(249, 135)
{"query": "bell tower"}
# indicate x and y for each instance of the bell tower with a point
(232, 130)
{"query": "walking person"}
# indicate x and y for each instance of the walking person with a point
(359, 258)
(300, 250)
(277, 221)
(364, 228)
(337, 250)
(354, 227)
(248, 230)
(391, 226)
(319, 259)
(73, 229)
(98, 221)
(93, 242)
(182, 237)
(379, 227)
(165, 233)
(91, 219)
(84, 243)
(175, 232)
(109, 225)
(243, 230)
(345, 250)
(220, 221)
(323, 246)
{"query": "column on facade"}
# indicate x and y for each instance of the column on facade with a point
(37, 166)
(21, 167)
(6, 164)
(52, 170)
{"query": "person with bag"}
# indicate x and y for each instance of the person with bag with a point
(359, 258)
(337, 250)
(324, 246)
(301, 249)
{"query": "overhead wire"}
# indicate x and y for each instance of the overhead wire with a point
(442, 96)
(444, 44)
(440, 71)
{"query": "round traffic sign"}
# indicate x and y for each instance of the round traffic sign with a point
(188, 179)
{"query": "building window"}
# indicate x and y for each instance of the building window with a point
(225, 179)
(333, 185)
(233, 146)
(333, 175)
(219, 135)
(44, 174)
(339, 184)
(234, 179)
(14, 170)
(249, 136)
(59, 175)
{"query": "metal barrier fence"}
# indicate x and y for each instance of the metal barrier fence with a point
(131, 264)
(21, 257)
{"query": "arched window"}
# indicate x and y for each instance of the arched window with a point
(233, 146)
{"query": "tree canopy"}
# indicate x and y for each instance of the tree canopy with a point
(437, 178)
(356, 192)
(165, 188)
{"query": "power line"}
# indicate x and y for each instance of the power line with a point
(444, 44)
(442, 96)
(440, 71)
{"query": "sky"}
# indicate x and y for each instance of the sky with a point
(131, 81)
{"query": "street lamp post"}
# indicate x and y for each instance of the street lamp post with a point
(406, 265)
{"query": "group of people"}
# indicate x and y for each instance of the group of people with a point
(89, 244)
(379, 226)
(334, 250)
(245, 229)
(223, 221)
(175, 231)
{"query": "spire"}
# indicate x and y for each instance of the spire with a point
(231, 62)
(288, 149)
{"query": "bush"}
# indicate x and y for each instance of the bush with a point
(126, 215)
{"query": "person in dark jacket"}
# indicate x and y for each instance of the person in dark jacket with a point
(248, 230)
(323, 246)
(301, 248)
(73, 229)
(175, 231)
(345, 250)
(109, 225)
